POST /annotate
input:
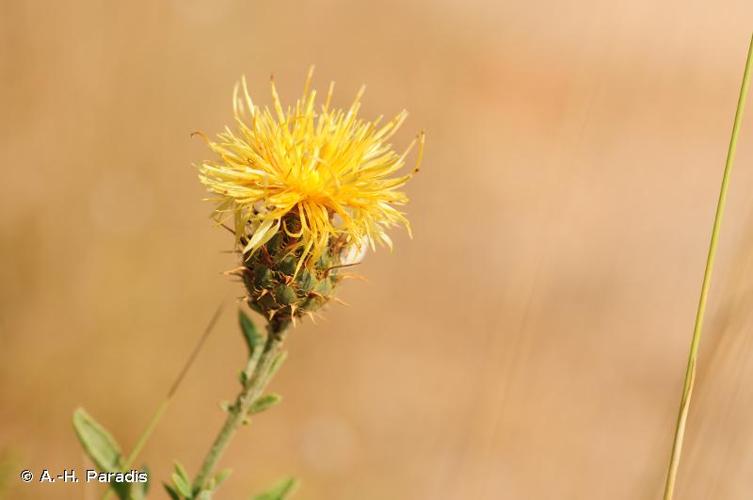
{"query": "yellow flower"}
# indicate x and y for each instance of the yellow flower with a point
(314, 174)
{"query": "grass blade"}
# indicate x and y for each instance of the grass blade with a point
(687, 390)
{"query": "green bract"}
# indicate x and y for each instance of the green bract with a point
(282, 290)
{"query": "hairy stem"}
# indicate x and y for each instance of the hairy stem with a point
(259, 374)
(687, 390)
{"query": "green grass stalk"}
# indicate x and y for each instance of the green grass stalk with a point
(157, 416)
(687, 391)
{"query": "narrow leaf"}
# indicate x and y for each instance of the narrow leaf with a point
(147, 484)
(183, 487)
(97, 442)
(250, 333)
(277, 362)
(135, 491)
(171, 491)
(139, 491)
(204, 495)
(181, 471)
(220, 477)
(264, 403)
(281, 491)
(122, 490)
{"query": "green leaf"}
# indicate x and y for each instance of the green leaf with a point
(133, 491)
(147, 484)
(264, 403)
(181, 481)
(138, 491)
(181, 471)
(181, 485)
(122, 490)
(276, 363)
(280, 491)
(97, 442)
(250, 333)
(220, 477)
(171, 491)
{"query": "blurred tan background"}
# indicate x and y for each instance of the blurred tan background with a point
(528, 343)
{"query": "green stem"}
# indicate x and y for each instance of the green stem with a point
(237, 413)
(687, 390)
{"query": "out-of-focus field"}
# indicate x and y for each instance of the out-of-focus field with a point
(528, 343)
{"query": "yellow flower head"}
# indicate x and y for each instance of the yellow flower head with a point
(311, 171)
